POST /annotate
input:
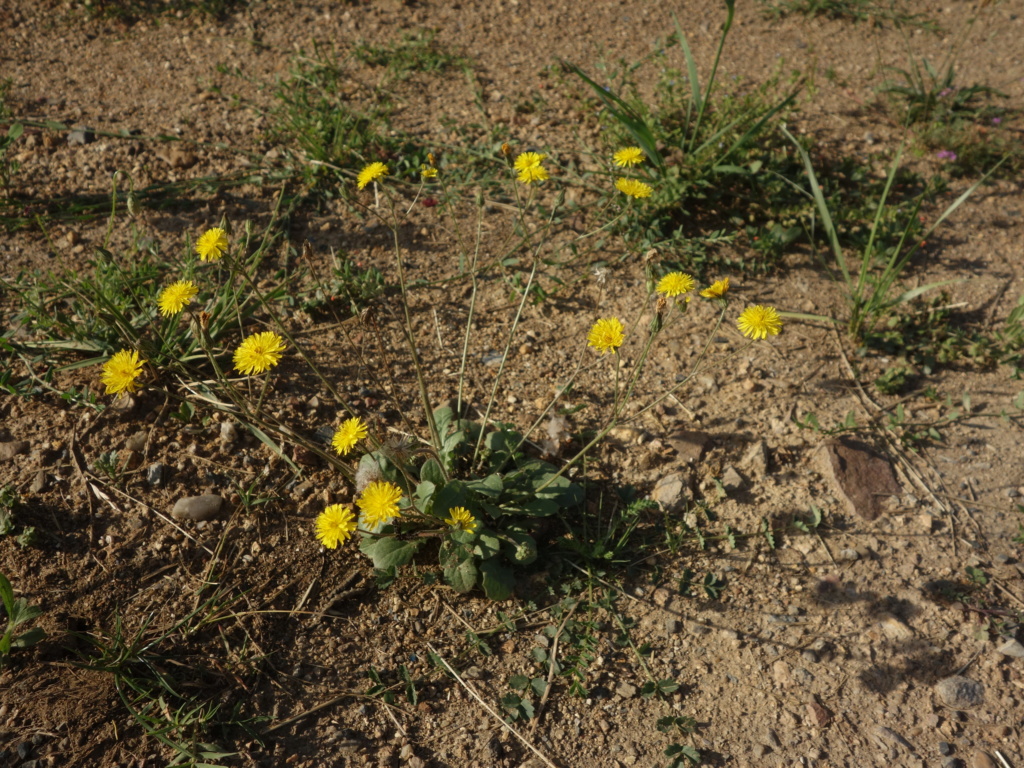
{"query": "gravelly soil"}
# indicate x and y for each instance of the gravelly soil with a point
(822, 651)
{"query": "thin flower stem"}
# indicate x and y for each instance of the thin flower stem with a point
(472, 309)
(504, 357)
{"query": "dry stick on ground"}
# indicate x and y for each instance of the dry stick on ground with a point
(551, 669)
(489, 709)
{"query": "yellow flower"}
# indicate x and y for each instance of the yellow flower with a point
(371, 173)
(121, 371)
(606, 335)
(175, 297)
(348, 434)
(633, 187)
(258, 353)
(212, 244)
(462, 518)
(379, 503)
(428, 172)
(335, 524)
(629, 156)
(529, 168)
(717, 289)
(759, 322)
(675, 284)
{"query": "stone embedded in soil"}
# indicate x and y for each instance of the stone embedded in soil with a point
(732, 480)
(137, 442)
(982, 760)
(228, 432)
(889, 736)
(689, 445)
(81, 136)
(11, 449)
(673, 492)
(625, 690)
(39, 483)
(755, 460)
(195, 508)
(1012, 648)
(864, 480)
(849, 555)
(156, 474)
(959, 692)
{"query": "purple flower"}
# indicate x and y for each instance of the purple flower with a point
(946, 154)
(996, 120)
(945, 92)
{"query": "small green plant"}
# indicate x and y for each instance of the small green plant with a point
(8, 501)
(853, 10)
(9, 167)
(519, 705)
(18, 612)
(871, 286)
(680, 755)
(416, 53)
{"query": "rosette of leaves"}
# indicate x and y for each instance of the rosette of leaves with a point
(509, 493)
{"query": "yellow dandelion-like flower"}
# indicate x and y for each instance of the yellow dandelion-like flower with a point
(633, 188)
(428, 172)
(175, 297)
(675, 284)
(629, 156)
(348, 434)
(121, 371)
(717, 289)
(462, 518)
(759, 322)
(212, 244)
(528, 167)
(335, 524)
(379, 503)
(258, 353)
(372, 172)
(606, 335)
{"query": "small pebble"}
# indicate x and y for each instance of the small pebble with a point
(945, 748)
(982, 760)
(156, 474)
(228, 432)
(1012, 648)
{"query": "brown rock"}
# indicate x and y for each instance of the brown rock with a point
(9, 450)
(863, 479)
(689, 445)
(981, 760)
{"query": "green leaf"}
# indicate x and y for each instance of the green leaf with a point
(424, 496)
(387, 552)
(463, 576)
(519, 682)
(487, 545)
(520, 547)
(431, 472)
(539, 685)
(30, 638)
(454, 493)
(443, 418)
(490, 486)
(7, 595)
(497, 580)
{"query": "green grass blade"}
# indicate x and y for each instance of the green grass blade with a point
(624, 114)
(819, 200)
(696, 99)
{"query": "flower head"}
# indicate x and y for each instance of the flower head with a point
(606, 335)
(946, 154)
(371, 173)
(175, 297)
(675, 284)
(759, 322)
(528, 167)
(633, 187)
(212, 244)
(462, 518)
(629, 156)
(379, 503)
(121, 371)
(258, 353)
(335, 524)
(348, 434)
(717, 289)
